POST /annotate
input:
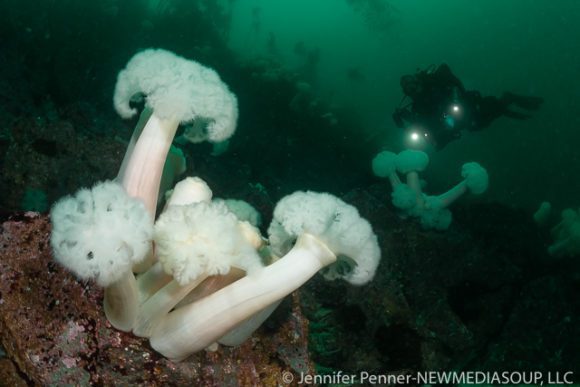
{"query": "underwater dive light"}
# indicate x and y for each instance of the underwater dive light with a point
(417, 137)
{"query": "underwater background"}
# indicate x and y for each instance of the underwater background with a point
(69, 52)
(317, 82)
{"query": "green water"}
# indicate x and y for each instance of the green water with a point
(72, 50)
(522, 46)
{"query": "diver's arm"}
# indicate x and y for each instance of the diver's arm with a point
(400, 116)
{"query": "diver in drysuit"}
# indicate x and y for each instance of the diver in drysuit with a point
(441, 107)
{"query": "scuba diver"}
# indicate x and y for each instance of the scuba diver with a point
(440, 107)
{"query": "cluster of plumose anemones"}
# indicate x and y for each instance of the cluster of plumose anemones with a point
(199, 273)
(431, 210)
